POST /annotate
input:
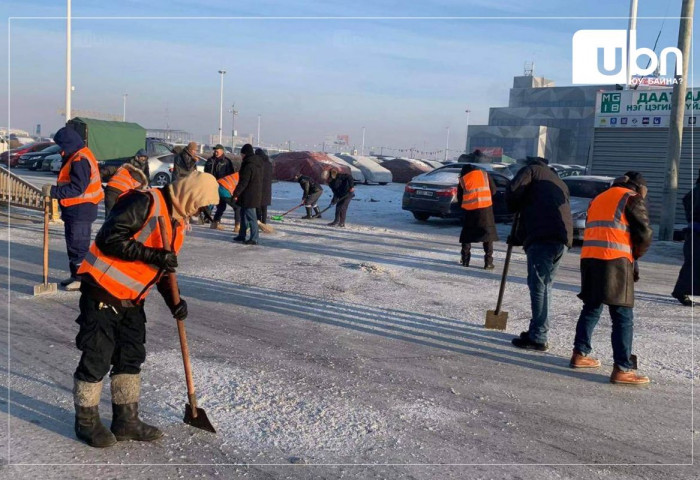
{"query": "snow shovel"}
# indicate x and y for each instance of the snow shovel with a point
(332, 204)
(46, 287)
(194, 415)
(278, 218)
(497, 319)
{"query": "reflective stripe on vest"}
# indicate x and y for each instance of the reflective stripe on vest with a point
(123, 181)
(132, 280)
(607, 235)
(229, 182)
(476, 192)
(93, 193)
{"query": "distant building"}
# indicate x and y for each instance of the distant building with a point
(541, 120)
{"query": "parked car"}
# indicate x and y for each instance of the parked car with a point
(11, 157)
(54, 162)
(32, 159)
(46, 162)
(582, 189)
(161, 168)
(489, 167)
(434, 194)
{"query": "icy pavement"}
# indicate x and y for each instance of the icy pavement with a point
(362, 347)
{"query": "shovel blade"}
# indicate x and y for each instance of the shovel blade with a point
(200, 421)
(276, 218)
(45, 288)
(496, 321)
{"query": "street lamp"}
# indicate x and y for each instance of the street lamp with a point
(447, 143)
(233, 113)
(466, 135)
(68, 61)
(221, 107)
(124, 114)
(362, 151)
(258, 138)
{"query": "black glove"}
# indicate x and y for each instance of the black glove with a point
(334, 201)
(636, 272)
(162, 259)
(180, 310)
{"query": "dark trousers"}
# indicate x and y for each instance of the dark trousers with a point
(312, 199)
(688, 282)
(262, 213)
(249, 219)
(542, 264)
(220, 209)
(109, 336)
(622, 332)
(341, 210)
(467, 252)
(78, 236)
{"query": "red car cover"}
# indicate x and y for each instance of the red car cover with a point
(313, 164)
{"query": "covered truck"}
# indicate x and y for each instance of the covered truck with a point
(356, 173)
(110, 140)
(313, 164)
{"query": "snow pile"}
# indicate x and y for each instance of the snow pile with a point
(263, 410)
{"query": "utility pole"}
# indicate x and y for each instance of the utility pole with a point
(258, 138)
(289, 145)
(631, 30)
(447, 143)
(362, 151)
(221, 107)
(124, 114)
(68, 61)
(675, 131)
(233, 113)
(466, 134)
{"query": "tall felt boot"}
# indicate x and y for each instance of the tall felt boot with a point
(466, 255)
(317, 212)
(88, 426)
(126, 425)
(488, 262)
(308, 213)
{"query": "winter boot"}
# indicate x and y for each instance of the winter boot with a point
(579, 360)
(333, 224)
(317, 212)
(308, 214)
(88, 427)
(237, 227)
(216, 226)
(68, 281)
(684, 299)
(126, 425)
(523, 341)
(466, 257)
(629, 377)
(73, 286)
(488, 263)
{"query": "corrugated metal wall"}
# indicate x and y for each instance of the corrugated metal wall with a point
(617, 150)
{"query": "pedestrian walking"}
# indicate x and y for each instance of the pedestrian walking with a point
(132, 175)
(545, 230)
(185, 161)
(79, 191)
(312, 191)
(126, 259)
(343, 187)
(617, 234)
(248, 194)
(267, 185)
(475, 190)
(220, 166)
(688, 282)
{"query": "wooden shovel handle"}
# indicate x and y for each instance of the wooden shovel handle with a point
(47, 202)
(175, 295)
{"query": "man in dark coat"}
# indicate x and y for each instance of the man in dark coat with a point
(478, 225)
(220, 166)
(342, 185)
(185, 162)
(312, 191)
(613, 241)
(267, 185)
(248, 194)
(545, 229)
(688, 282)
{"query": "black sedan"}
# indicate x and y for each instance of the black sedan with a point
(434, 194)
(32, 160)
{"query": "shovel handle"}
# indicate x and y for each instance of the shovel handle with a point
(47, 201)
(506, 264)
(175, 295)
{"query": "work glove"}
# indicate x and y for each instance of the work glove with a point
(46, 190)
(179, 311)
(636, 272)
(162, 259)
(334, 201)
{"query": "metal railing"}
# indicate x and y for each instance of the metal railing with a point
(19, 193)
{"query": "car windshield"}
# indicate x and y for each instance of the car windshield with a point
(51, 149)
(442, 175)
(586, 188)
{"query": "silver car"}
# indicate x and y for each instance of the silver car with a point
(583, 189)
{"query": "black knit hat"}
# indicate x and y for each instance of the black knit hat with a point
(636, 178)
(247, 149)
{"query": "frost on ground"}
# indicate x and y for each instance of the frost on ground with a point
(362, 345)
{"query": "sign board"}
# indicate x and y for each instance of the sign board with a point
(642, 108)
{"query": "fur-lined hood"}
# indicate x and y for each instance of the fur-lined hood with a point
(138, 175)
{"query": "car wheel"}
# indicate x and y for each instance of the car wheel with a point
(382, 183)
(161, 179)
(421, 216)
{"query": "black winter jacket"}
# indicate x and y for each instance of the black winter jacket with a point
(115, 240)
(542, 200)
(342, 185)
(184, 164)
(267, 180)
(477, 225)
(219, 167)
(250, 185)
(309, 186)
(612, 281)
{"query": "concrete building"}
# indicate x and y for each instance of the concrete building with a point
(541, 120)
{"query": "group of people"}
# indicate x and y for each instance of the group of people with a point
(341, 184)
(617, 234)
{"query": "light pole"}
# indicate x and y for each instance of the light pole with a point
(68, 61)
(124, 104)
(221, 107)
(631, 27)
(447, 143)
(233, 113)
(466, 133)
(362, 151)
(258, 138)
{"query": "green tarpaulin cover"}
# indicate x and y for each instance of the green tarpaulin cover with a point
(110, 140)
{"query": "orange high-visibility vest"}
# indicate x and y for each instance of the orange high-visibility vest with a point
(132, 280)
(476, 192)
(93, 193)
(229, 182)
(607, 235)
(123, 181)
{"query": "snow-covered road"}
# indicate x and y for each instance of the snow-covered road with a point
(361, 346)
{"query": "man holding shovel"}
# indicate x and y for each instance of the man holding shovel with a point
(126, 259)
(312, 191)
(342, 185)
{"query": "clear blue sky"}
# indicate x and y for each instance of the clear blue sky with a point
(404, 80)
